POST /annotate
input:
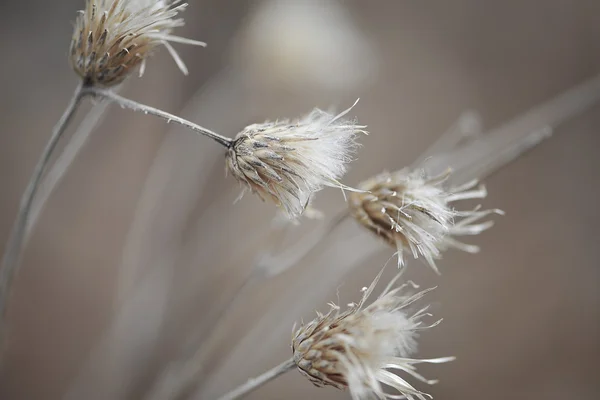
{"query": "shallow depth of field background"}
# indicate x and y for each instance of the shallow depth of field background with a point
(523, 316)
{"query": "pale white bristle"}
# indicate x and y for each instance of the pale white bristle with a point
(288, 161)
(365, 347)
(413, 212)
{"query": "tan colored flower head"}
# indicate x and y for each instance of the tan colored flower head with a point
(113, 37)
(363, 347)
(286, 162)
(412, 211)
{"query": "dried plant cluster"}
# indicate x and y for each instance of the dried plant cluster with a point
(112, 38)
(365, 348)
(360, 348)
(413, 211)
(287, 161)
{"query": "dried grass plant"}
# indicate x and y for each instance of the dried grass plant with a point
(110, 39)
(366, 349)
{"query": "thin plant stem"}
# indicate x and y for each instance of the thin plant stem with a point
(467, 126)
(260, 380)
(498, 147)
(63, 162)
(138, 107)
(12, 254)
(177, 379)
(270, 265)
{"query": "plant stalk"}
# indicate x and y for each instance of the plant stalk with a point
(269, 265)
(177, 379)
(181, 378)
(260, 380)
(14, 247)
(63, 162)
(138, 107)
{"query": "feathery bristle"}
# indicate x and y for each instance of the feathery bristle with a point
(360, 347)
(412, 211)
(287, 162)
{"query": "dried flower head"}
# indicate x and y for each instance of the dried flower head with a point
(410, 210)
(286, 162)
(113, 37)
(360, 347)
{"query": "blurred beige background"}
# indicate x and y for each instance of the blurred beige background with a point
(100, 308)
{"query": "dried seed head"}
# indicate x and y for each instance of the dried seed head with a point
(113, 37)
(357, 348)
(410, 210)
(286, 162)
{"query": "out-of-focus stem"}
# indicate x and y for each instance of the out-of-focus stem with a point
(497, 148)
(182, 377)
(62, 164)
(179, 378)
(269, 265)
(12, 254)
(260, 380)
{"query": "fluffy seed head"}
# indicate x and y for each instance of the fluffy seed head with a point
(413, 211)
(360, 347)
(113, 37)
(287, 161)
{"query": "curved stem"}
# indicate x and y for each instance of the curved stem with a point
(260, 380)
(498, 147)
(63, 163)
(12, 254)
(135, 106)
(179, 379)
(270, 265)
(468, 126)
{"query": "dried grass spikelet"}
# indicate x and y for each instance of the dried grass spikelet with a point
(413, 211)
(359, 348)
(113, 37)
(287, 161)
